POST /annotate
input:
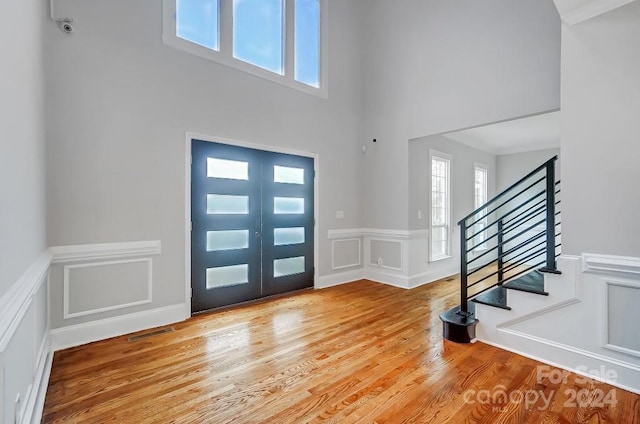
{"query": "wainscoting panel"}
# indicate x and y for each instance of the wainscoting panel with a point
(623, 316)
(25, 358)
(395, 257)
(386, 254)
(346, 253)
(95, 287)
(588, 321)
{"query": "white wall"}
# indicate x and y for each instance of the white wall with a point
(120, 103)
(436, 66)
(510, 168)
(601, 133)
(22, 203)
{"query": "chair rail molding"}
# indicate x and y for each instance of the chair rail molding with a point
(15, 303)
(104, 251)
(592, 262)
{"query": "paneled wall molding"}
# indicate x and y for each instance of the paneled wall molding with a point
(394, 268)
(16, 306)
(15, 303)
(105, 251)
(631, 288)
(592, 262)
(373, 262)
(580, 11)
(334, 257)
(67, 270)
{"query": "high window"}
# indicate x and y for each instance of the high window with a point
(440, 206)
(480, 198)
(279, 40)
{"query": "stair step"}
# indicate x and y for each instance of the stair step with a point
(459, 328)
(532, 282)
(497, 297)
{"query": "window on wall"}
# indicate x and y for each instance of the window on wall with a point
(440, 206)
(279, 40)
(480, 198)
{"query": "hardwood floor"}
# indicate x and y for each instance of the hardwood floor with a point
(358, 353)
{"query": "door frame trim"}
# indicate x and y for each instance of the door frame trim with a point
(189, 136)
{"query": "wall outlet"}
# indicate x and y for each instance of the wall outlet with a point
(379, 262)
(339, 214)
(419, 214)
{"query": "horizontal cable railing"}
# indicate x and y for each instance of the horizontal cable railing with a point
(512, 234)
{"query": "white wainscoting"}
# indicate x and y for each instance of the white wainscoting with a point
(95, 287)
(581, 325)
(25, 357)
(386, 254)
(104, 251)
(102, 278)
(393, 257)
(346, 253)
(88, 332)
(622, 319)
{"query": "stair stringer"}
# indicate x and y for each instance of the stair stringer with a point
(555, 329)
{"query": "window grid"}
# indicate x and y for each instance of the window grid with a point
(298, 57)
(440, 210)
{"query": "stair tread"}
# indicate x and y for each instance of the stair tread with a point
(497, 297)
(452, 316)
(532, 282)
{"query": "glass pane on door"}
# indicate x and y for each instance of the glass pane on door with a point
(288, 266)
(227, 276)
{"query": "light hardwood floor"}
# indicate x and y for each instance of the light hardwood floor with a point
(358, 353)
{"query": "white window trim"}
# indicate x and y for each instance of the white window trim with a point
(484, 167)
(448, 157)
(225, 55)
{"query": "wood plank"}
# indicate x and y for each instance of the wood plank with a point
(357, 353)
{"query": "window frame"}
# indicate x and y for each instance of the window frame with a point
(480, 166)
(448, 231)
(225, 57)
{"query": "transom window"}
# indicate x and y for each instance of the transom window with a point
(280, 40)
(440, 206)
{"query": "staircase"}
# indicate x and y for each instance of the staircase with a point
(507, 244)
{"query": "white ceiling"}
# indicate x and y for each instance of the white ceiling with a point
(520, 135)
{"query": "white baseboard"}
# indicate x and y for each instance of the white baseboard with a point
(569, 358)
(374, 274)
(34, 405)
(331, 280)
(76, 335)
(378, 276)
(418, 280)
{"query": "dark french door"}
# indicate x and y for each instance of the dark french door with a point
(251, 224)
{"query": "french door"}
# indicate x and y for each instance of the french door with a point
(251, 224)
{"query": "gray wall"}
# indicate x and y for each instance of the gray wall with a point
(22, 197)
(120, 102)
(463, 160)
(437, 66)
(462, 177)
(510, 168)
(601, 134)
